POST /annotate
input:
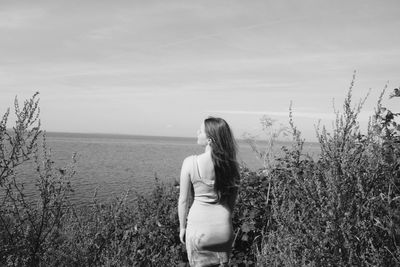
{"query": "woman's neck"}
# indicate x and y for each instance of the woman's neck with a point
(208, 149)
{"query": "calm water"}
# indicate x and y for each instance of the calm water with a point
(113, 164)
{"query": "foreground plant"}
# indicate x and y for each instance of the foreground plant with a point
(30, 225)
(344, 208)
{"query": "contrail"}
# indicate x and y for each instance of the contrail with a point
(240, 28)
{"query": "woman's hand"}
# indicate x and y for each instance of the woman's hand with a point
(182, 234)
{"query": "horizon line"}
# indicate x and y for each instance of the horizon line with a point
(156, 136)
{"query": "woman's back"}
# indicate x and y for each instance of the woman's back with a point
(206, 166)
(203, 179)
(209, 226)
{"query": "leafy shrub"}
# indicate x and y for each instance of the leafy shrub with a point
(251, 216)
(29, 226)
(118, 234)
(344, 208)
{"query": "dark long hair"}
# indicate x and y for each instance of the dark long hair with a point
(223, 154)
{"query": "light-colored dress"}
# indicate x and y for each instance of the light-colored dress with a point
(209, 233)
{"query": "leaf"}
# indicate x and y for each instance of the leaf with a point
(245, 237)
(252, 214)
(245, 227)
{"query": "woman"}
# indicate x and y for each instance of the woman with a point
(214, 176)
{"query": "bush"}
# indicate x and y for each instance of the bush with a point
(117, 234)
(344, 208)
(29, 226)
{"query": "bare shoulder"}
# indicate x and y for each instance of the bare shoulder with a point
(187, 164)
(188, 159)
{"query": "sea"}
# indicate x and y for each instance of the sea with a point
(110, 165)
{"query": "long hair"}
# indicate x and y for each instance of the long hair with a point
(223, 154)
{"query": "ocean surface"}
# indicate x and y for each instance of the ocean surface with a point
(113, 164)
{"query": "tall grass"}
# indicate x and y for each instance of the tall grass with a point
(344, 208)
(29, 230)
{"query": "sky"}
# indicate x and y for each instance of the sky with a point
(161, 67)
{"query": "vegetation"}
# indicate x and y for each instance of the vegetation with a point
(344, 208)
(341, 209)
(29, 230)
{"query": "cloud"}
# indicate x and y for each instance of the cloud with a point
(276, 113)
(363, 116)
(14, 18)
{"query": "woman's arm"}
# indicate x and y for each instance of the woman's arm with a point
(184, 193)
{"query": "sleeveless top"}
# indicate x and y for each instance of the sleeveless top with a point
(203, 188)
